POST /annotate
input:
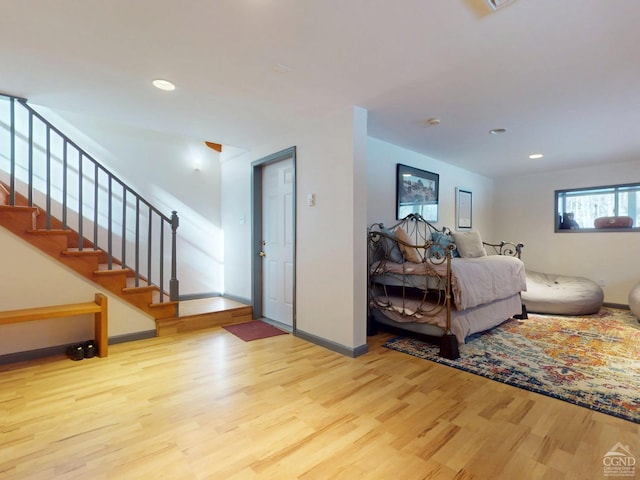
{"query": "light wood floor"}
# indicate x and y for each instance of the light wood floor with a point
(206, 405)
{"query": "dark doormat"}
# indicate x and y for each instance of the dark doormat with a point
(254, 330)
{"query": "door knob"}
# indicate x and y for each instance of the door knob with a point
(262, 254)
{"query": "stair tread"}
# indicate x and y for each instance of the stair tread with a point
(19, 208)
(163, 304)
(139, 289)
(85, 251)
(115, 270)
(209, 305)
(51, 231)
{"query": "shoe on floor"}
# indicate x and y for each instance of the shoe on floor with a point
(89, 349)
(75, 352)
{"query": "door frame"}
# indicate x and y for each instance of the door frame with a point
(256, 228)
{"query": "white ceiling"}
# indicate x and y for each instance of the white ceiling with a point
(563, 77)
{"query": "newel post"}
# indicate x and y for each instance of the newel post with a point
(173, 283)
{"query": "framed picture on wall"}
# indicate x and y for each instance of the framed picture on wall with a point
(416, 192)
(464, 211)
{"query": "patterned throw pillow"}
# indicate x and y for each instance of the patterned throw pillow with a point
(444, 240)
(390, 246)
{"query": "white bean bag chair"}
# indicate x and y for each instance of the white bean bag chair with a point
(561, 294)
(634, 300)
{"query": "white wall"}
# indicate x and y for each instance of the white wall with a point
(32, 279)
(525, 209)
(382, 158)
(236, 222)
(330, 255)
(160, 167)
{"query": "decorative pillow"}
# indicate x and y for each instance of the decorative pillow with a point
(444, 240)
(390, 246)
(469, 244)
(613, 222)
(410, 253)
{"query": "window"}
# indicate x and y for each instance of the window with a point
(579, 209)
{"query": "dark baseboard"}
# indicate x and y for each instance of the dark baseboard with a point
(132, 337)
(334, 347)
(246, 301)
(62, 349)
(621, 306)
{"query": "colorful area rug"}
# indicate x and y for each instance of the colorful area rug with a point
(592, 360)
(253, 330)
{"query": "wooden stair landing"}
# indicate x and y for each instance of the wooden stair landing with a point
(204, 313)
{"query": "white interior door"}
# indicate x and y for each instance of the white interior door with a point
(277, 241)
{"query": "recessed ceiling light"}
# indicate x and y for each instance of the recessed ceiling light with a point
(429, 122)
(536, 156)
(497, 131)
(165, 85)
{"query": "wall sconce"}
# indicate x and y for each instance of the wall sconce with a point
(197, 165)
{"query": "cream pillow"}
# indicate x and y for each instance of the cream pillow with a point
(469, 244)
(410, 253)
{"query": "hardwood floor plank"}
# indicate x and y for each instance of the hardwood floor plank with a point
(206, 405)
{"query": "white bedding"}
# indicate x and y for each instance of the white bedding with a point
(475, 281)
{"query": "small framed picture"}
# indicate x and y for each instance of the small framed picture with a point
(416, 192)
(464, 211)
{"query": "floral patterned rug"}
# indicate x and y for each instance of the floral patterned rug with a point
(592, 360)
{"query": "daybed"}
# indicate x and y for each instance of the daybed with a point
(561, 294)
(441, 284)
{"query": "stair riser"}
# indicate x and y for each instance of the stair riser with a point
(140, 300)
(83, 265)
(171, 326)
(162, 311)
(52, 244)
(18, 220)
(113, 283)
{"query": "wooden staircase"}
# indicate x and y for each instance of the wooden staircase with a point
(36, 149)
(62, 244)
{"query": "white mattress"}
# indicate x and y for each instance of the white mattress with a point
(463, 322)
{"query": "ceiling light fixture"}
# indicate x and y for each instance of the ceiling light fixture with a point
(497, 131)
(165, 85)
(429, 122)
(496, 4)
(536, 156)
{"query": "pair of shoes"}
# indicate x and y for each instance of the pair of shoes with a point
(75, 352)
(82, 350)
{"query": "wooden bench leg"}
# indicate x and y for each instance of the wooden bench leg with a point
(101, 328)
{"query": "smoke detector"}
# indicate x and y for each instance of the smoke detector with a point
(498, 4)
